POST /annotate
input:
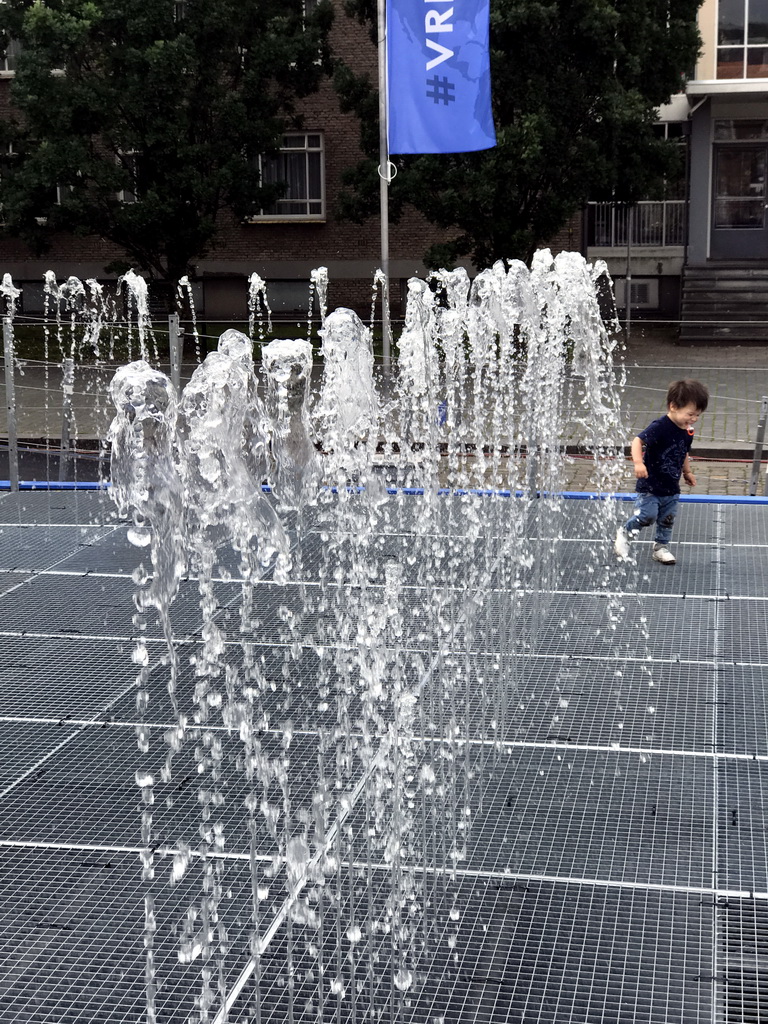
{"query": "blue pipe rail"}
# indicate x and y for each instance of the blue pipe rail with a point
(695, 499)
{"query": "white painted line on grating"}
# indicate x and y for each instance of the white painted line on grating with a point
(608, 883)
(23, 634)
(686, 595)
(162, 851)
(460, 741)
(612, 748)
(82, 573)
(272, 644)
(411, 587)
(450, 873)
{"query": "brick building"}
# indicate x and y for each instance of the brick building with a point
(284, 246)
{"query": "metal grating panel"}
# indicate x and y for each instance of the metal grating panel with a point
(744, 524)
(743, 632)
(574, 700)
(609, 816)
(744, 571)
(584, 569)
(87, 793)
(79, 508)
(36, 548)
(743, 826)
(577, 625)
(62, 679)
(744, 949)
(517, 952)
(93, 606)
(742, 710)
(11, 580)
(655, 833)
(26, 746)
(72, 937)
(114, 554)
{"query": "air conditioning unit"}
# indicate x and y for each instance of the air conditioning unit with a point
(645, 293)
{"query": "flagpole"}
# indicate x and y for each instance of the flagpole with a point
(384, 181)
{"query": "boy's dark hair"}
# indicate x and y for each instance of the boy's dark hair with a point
(687, 392)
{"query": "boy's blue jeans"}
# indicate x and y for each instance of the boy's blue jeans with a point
(652, 508)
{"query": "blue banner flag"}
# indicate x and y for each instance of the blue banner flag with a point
(439, 76)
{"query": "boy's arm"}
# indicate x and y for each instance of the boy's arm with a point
(636, 450)
(688, 473)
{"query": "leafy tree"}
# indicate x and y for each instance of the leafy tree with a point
(575, 84)
(169, 102)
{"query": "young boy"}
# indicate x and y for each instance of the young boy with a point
(660, 454)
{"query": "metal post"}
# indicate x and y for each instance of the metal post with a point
(384, 181)
(759, 439)
(10, 403)
(628, 278)
(67, 390)
(174, 343)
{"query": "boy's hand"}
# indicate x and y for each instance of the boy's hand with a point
(689, 478)
(641, 471)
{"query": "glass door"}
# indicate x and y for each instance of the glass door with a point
(740, 202)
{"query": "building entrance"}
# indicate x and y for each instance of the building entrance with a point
(740, 202)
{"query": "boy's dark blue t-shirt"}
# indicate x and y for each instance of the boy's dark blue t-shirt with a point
(666, 446)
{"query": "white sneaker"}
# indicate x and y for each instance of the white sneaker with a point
(661, 553)
(621, 544)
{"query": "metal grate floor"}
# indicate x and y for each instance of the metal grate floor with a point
(612, 732)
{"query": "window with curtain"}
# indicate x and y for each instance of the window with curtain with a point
(299, 167)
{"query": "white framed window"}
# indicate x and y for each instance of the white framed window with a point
(9, 57)
(300, 167)
(742, 39)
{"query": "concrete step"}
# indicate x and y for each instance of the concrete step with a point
(732, 287)
(725, 303)
(715, 309)
(714, 332)
(756, 269)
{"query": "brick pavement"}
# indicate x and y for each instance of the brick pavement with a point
(713, 476)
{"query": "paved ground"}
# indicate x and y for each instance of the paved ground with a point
(737, 377)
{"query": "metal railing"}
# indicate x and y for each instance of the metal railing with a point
(653, 224)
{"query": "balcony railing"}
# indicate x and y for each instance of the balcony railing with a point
(653, 224)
